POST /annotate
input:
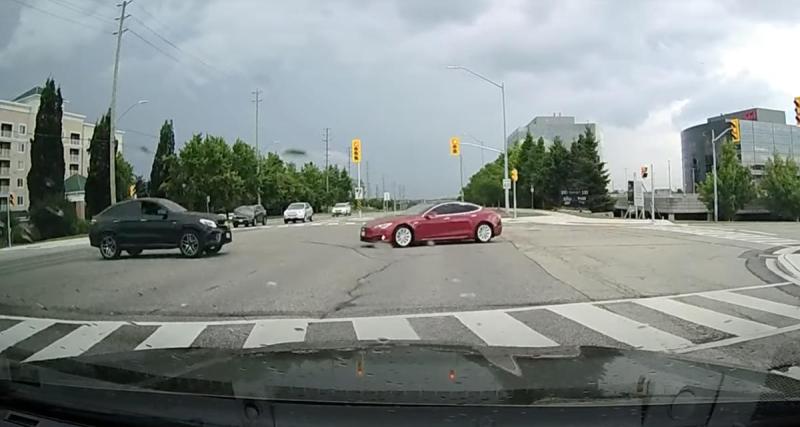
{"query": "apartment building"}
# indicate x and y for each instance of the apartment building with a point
(17, 127)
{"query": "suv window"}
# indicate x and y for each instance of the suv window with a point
(122, 210)
(151, 210)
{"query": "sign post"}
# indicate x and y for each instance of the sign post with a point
(514, 178)
(638, 194)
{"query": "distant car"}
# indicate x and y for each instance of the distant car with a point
(341, 209)
(249, 215)
(431, 222)
(151, 223)
(299, 211)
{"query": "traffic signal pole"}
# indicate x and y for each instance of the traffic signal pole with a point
(515, 198)
(461, 173)
(8, 218)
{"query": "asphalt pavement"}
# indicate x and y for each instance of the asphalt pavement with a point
(551, 280)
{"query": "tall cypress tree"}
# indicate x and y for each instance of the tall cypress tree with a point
(46, 174)
(97, 191)
(159, 173)
(588, 172)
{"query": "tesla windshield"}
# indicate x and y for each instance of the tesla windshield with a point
(224, 197)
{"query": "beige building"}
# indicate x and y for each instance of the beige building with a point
(17, 127)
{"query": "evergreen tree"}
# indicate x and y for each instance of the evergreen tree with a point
(734, 184)
(556, 173)
(587, 171)
(159, 173)
(781, 187)
(97, 194)
(124, 178)
(46, 174)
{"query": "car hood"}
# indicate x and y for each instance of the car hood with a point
(393, 219)
(416, 374)
(214, 217)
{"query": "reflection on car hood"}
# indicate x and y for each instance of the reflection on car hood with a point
(393, 219)
(206, 215)
(419, 374)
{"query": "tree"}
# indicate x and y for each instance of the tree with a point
(245, 163)
(46, 174)
(556, 173)
(205, 168)
(485, 186)
(124, 178)
(587, 171)
(781, 187)
(141, 187)
(159, 173)
(532, 170)
(734, 184)
(96, 189)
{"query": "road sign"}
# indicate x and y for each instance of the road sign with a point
(386, 196)
(359, 193)
(455, 146)
(506, 184)
(355, 151)
(638, 194)
(514, 175)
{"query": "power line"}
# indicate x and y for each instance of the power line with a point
(174, 46)
(140, 37)
(63, 18)
(80, 11)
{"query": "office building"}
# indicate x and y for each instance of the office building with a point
(762, 133)
(17, 127)
(549, 127)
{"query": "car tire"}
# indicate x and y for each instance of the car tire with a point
(311, 218)
(285, 221)
(134, 252)
(484, 232)
(109, 247)
(264, 221)
(402, 237)
(235, 225)
(213, 249)
(190, 245)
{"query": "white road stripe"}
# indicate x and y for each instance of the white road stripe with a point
(76, 342)
(276, 331)
(620, 328)
(392, 328)
(497, 328)
(22, 331)
(172, 335)
(792, 372)
(701, 316)
(756, 303)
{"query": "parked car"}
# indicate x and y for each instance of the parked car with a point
(299, 211)
(249, 215)
(430, 222)
(341, 209)
(151, 223)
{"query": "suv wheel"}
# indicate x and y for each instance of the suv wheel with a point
(189, 244)
(109, 248)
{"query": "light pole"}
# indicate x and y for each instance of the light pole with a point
(139, 102)
(502, 88)
(714, 168)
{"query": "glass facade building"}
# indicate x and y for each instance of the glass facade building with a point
(763, 133)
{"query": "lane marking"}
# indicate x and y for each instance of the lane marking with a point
(622, 329)
(702, 316)
(756, 303)
(173, 335)
(737, 340)
(378, 328)
(497, 328)
(76, 342)
(772, 265)
(22, 331)
(276, 331)
(792, 372)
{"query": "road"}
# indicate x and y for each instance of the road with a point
(717, 293)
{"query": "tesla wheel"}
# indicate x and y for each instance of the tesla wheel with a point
(109, 248)
(213, 249)
(134, 252)
(402, 236)
(483, 233)
(190, 244)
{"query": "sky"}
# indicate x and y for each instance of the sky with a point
(377, 70)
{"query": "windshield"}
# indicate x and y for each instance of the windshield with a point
(599, 175)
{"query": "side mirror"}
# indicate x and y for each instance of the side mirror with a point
(430, 215)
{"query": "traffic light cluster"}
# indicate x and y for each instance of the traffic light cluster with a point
(355, 151)
(735, 134)
(797, 110)
(514, 175)
(644, 170)
(455, 146)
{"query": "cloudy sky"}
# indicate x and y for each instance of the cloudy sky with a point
(377, 70)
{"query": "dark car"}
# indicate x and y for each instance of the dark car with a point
(429, 222)
(150, 223)
(249, 215)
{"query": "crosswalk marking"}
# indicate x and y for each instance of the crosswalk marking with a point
(22, 331)
(172, 335)
(756, 303)
(276, 331)
(744, 236)
(719, 321)
(620, 328)
(76, 342)
(392, 328)
(497, 328)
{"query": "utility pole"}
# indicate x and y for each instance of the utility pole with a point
(461, 174)
(327, 180)
(383, 183)
(112, 140)
(652, 195)
(257, 101)
(366, 191)
(669, 176)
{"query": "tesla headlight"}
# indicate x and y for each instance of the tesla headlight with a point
(384, 226)
(208, 223)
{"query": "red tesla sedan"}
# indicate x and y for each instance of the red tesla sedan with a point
(430, 222)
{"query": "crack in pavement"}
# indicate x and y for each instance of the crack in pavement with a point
(335, 245)
(521, 251)
(359, 283)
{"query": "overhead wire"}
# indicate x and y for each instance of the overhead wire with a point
(61, 17)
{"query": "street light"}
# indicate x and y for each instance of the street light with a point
(502, 88)
(139, 102)
(714, 167)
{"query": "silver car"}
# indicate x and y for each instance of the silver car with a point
(298, 211)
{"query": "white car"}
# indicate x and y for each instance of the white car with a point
(298, 211)
(341, 209)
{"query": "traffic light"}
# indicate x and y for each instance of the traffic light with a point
(644, 171)
(12, 201)
(514, 175)
(455, 146)
(797, 110)
(355, 151)
(735, 136)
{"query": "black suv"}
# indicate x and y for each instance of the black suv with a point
(150, 223)
(249, 215)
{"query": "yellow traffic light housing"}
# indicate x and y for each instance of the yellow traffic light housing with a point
(735, 135)
(514, 175)
(355, 151)
(797, 110)
(455, 146)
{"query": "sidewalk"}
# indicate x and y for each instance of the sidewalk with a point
(74, 241)
(561, 218)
